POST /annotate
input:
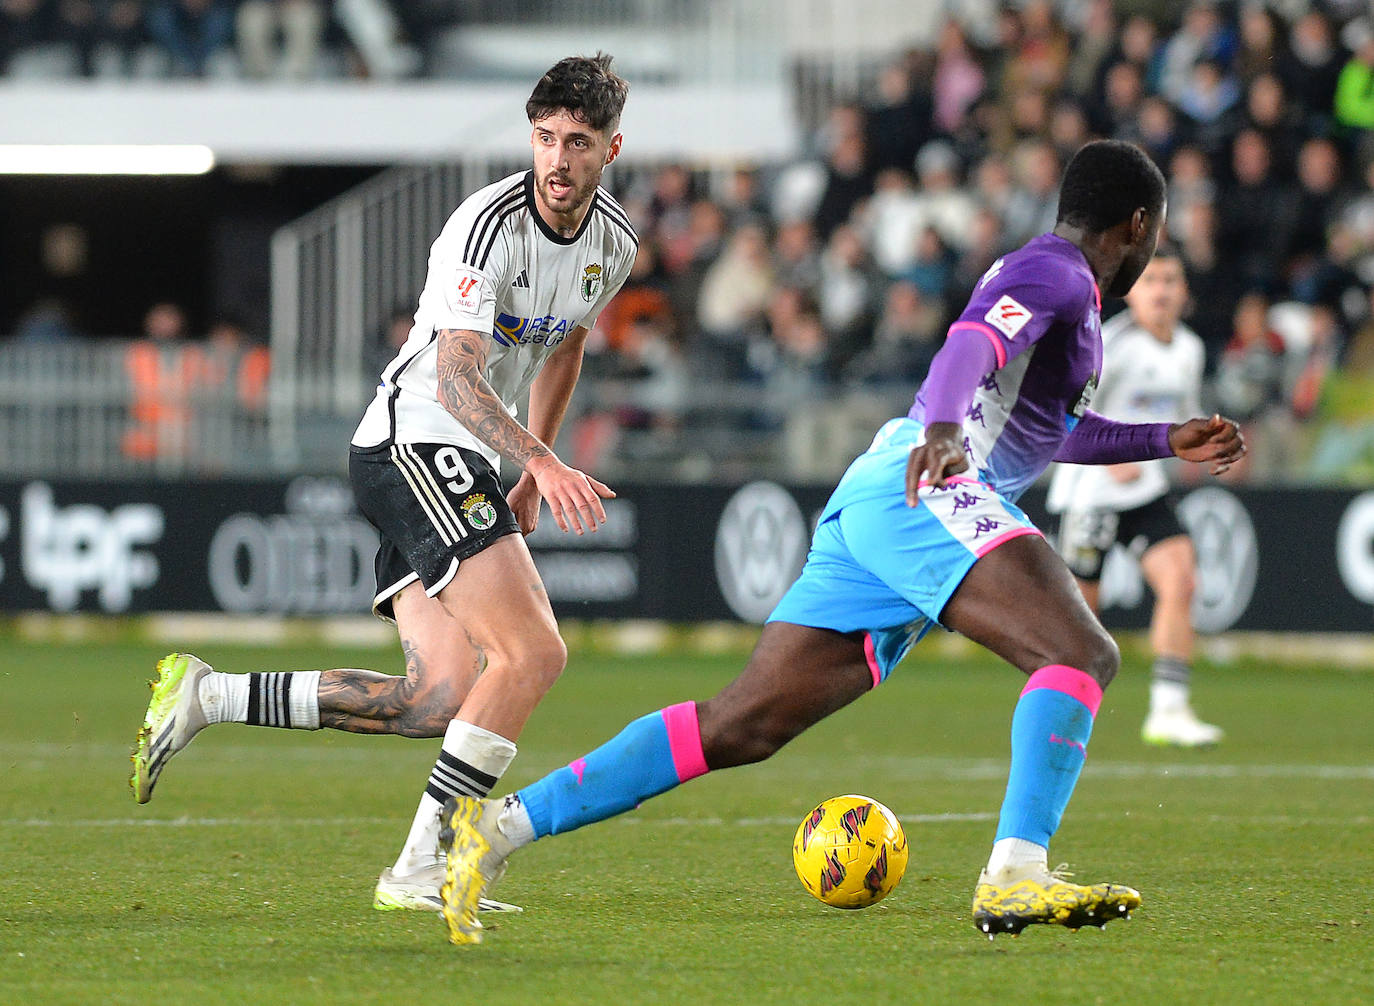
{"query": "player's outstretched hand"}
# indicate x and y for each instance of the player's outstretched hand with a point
(574, 497)
(1216, 440)
(941, 456)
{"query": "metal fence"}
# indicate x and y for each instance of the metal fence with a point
(95, 410)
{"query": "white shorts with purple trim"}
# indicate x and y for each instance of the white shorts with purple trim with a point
(880, 566)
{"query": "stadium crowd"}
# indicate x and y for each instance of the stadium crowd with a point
(846, 267)
(842, 269)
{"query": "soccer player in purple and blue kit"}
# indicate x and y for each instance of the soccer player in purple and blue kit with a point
(923, 529)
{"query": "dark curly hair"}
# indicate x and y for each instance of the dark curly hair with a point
(585, 87)
(1107, 181)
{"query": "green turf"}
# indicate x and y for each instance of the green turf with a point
(249, 877)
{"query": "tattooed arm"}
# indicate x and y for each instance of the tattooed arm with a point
(574, 498)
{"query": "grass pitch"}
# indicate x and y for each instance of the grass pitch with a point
(249, 876)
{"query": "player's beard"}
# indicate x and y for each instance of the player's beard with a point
(568, 204)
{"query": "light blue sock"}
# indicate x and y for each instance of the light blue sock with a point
(650, 756)
(1049, 737)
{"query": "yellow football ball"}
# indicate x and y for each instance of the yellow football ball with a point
(850, 852)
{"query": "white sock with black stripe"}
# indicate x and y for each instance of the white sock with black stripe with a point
(470, 763)
(288, 699)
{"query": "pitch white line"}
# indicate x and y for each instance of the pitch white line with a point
(261, 823)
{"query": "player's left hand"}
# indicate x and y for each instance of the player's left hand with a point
(525, 501)
(1216, 440)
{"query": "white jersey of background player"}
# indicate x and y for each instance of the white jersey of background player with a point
(517, 275)
(1151, 373)
(1144, 380)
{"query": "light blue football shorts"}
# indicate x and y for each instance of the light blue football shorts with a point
(880, 566)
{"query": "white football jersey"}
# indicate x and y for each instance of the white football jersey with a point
(1144, 380)
(497, 267)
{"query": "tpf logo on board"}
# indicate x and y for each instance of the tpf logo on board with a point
(66, 551)
(760, 548)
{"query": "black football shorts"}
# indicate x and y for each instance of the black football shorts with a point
(434, 506)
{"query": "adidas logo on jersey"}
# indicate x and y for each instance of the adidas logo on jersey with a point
(521, 281)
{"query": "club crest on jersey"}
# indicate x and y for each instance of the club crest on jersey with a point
(479, 511)
(1008, 316)
(591, 282)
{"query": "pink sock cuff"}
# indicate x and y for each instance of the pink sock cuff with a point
(1069, 680)
(684, 740)
(871, 655)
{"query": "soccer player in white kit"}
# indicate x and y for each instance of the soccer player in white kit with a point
(516, 279)
(1151, 372)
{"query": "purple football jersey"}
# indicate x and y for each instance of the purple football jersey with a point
(1041, 309)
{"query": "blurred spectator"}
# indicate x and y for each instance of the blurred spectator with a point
(932, 267)
(847, 181)
(300, 26)
(940, 201)
(162, 371)
(905, 339)
(796, 261)
(734, 293)
(1212, 285)
(743, 200)
(191, 32)
(1310, 67)
(1069, 128)
(1118, 104)
(1156, 129)
(1035, 199)
(1095, 45)
(1249, 379)
(898, 123)
(985, 246)
(1041, 56)
(1355, 86)
(1268, 110)
(644, 297)
(236, 365)
(1190, 182)
(958, 80)
(849, 295)
(1208, 92)
(693, 252)
(789, 355)
(1255, 214)
(1261, 42)
(1203, 37)
(1320, 195)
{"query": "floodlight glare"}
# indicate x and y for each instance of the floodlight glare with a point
(105, 159)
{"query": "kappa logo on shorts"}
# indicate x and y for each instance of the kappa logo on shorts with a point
(1008, 316)
(479, 511)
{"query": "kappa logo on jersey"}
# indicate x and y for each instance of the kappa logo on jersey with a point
(479, 511)
(1008, 316)
(469, 289)
(591, 282)
(509, 330)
